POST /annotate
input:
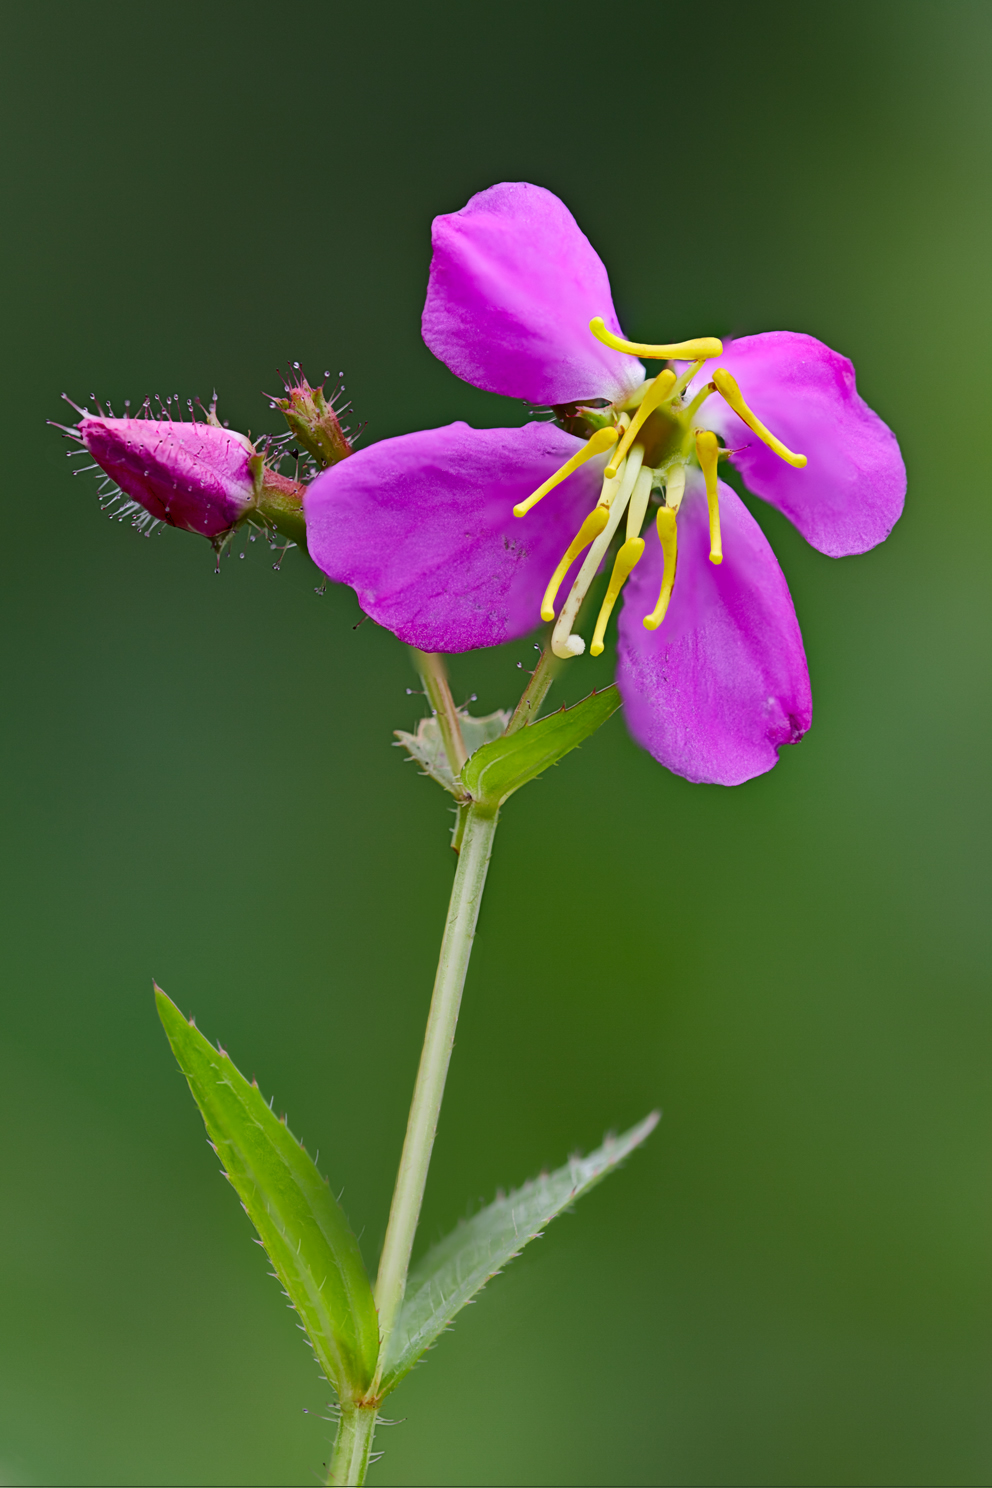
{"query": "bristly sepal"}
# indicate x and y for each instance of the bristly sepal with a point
(314, 420)
(426, 746)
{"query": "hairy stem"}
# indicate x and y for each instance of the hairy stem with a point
(456, 948)
(536, 690)
(352, 1445)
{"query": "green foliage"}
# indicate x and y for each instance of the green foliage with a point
(300, 1223)
(427, 748)
(501, 767)
(453, 1271)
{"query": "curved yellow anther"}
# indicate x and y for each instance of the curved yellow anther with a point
(600, 441)
(626, 559)
(731, 393)
(656, 394)
(587, 533)
(668, 534)
(702, 346)
(709, 453)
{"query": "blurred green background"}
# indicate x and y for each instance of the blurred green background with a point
(791, 1283)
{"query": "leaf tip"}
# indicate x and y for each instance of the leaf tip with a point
(167, 1010)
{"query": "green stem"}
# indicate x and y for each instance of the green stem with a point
(352, 1445)
(434, 676)
(536, 690)
(456, 948)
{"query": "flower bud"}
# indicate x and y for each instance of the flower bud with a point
(201, 477)
(314, 422)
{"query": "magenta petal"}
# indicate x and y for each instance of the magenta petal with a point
(422, 528)
(514, 283)
(851, 492)
(722, 684)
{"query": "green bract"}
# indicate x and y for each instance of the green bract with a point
(498, 769)
(427, 747)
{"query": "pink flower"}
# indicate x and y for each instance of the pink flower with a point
(438, 533)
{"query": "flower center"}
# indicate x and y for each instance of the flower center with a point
(652, 439)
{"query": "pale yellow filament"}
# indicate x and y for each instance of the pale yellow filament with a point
(639, 499)
(597, 445)
(709, 453)
(628, 556)
(702, 346)
(731, 393)
(668, 535)
(656, 394)
(689, 375)
(675, 487)
(563, 642)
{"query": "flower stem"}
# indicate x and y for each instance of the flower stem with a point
(536, 690)
(456, 948)
(352, 1445)
(434, 676)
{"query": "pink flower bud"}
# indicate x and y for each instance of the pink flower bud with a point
(196, 476)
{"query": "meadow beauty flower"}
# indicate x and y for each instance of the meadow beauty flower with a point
(438, 534)
(196, 475)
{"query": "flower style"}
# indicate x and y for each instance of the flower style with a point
(438, 534)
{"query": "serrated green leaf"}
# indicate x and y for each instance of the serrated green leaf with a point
(498, 769)
(453, 1271)
(427, 748)
(300, 1223)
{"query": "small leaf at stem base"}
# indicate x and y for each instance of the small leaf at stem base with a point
(300, 1223)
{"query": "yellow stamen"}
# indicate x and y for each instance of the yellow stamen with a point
(709, 453)
(612, 483)
(563, 642)
(725, 384)
(587, 533)
(702, 346)
(668, 534)
(627, 556)
(625, 561)
(600, 441)
(656, 394)
(689, 375)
